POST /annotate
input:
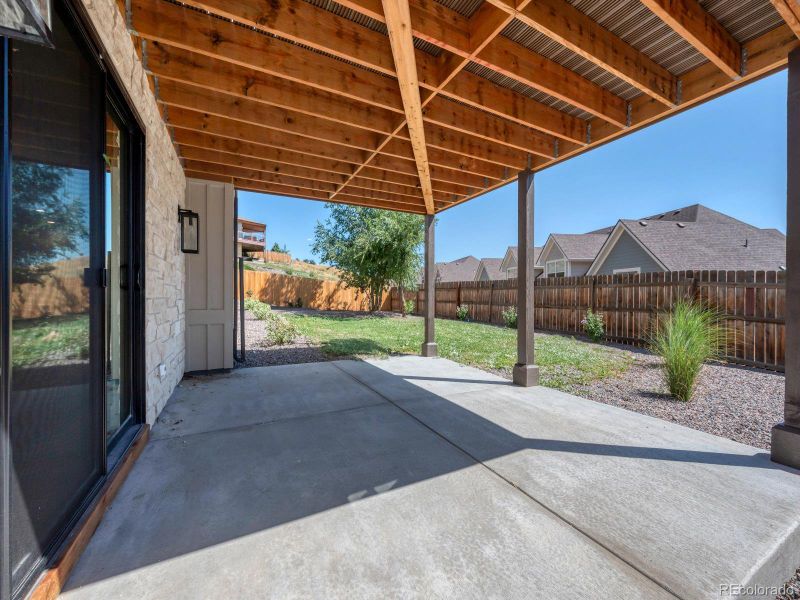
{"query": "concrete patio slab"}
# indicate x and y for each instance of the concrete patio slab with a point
(412, 477)
(360, 503)
(402, 378)
(245, 397)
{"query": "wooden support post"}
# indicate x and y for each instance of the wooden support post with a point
(786, 435)
(429, 345)
(526, 373)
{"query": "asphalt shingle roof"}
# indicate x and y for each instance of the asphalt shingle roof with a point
(492, 266)
(580, 246)
(463, 269)
(713, 245)
(537, 252)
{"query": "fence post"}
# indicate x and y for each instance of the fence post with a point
(491, 293)
(592, 296)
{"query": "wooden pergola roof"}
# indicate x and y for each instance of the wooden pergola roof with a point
(419, 105)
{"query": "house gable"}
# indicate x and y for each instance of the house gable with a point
(624, 253)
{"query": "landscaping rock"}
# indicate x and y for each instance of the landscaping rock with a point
(739, 403)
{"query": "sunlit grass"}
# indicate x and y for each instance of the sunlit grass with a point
(563, 361)
(34, 341)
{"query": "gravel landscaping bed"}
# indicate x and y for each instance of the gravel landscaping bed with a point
(260, 353)
(739, 403)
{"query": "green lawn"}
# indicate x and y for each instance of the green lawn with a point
(563, 361)
(35, 341)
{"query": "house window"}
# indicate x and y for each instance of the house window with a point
(556, 268)
(636, 270)
(511, 273)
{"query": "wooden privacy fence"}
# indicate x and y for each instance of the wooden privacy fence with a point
(752, 303)
(287, 290)
(275, 257)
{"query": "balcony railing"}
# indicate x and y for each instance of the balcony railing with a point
(251, 237)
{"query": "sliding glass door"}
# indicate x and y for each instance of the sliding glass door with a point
(74, 307)
(56, 178)
(117, 304)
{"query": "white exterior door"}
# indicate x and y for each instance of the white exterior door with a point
(209, 278)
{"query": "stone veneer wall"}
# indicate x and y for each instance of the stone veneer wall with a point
(165, 188)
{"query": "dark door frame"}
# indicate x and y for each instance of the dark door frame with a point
(5, 314)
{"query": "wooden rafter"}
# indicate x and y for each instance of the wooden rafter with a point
(701, 30)
(789, 10)
(287, 97)
(565, 24)
(398, 22)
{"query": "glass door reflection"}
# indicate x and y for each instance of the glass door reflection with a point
(117, 304)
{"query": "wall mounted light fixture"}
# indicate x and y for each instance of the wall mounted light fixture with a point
(190, 231)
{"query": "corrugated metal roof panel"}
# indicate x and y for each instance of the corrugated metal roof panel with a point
(534, 40)
(744, 19)
(369, 23)
(525, 90)
(635, 24)
(463, 7)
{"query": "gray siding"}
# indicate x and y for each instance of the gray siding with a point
(627, 254)
(577, 268)
(483, 275)
(554, 254)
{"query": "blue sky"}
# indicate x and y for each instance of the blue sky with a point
(729, 154)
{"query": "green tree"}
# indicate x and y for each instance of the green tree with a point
(372, 248)
(47, 224)
(276, 247)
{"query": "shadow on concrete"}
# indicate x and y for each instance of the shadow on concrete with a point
(192, 492)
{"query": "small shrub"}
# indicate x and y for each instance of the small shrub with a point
(281, 331)
(408, 307)
(260, 310)
(510, 317)
(593, 326)
(687, 337)
(462, 312)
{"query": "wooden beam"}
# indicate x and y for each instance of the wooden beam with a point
(766, 54)
(483, 94)
(518, 63)
(398, 22)
(461, 36)
(178, 95)
(220, 126)
(205, 140)
(565, 24)
(295, 192)
(693, 23)
(276, 178)
(176, 64)
(204, 34)
(204, 155)
(166, 23)
(211, 142)
(258, 164)
(789, 10)
(182, 66)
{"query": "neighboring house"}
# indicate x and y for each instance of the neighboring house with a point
(509, 264)
(489, 270)
(251, 236)
(648, 246)
(463, 269)
(570, 254)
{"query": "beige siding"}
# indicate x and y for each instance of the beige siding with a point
(209, 275)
